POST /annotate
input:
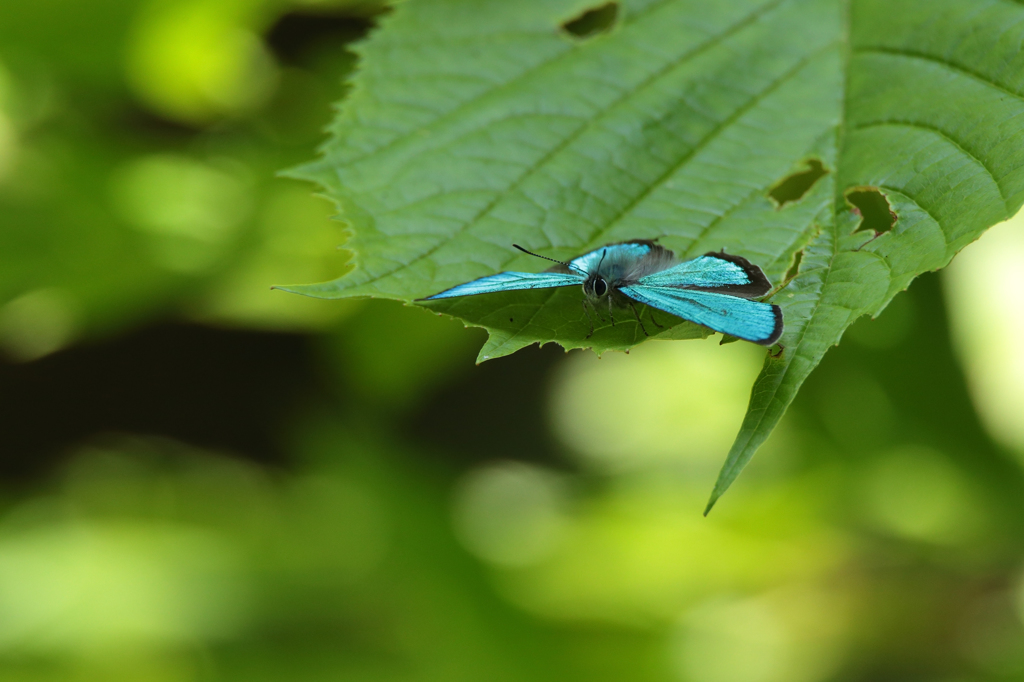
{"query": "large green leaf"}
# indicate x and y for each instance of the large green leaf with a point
(475, 124)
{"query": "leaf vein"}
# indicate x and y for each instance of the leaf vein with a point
(720, 217)
(903, 193)
(949, 138)
(569, 49)
(704, 141)
(526, 326)
(952, 66)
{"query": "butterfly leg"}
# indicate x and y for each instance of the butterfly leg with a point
(589, 319)
(650, 313)
(638, 320)
(610, 310)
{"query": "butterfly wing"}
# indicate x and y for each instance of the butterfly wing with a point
(588, 262)
(509, 281)
(740, 317)
(718, 272)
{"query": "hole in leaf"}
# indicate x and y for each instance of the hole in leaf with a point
(593, 21)
(794, 187)
(873, 208)
(795, 267)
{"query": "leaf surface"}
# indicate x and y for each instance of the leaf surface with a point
(476, 124)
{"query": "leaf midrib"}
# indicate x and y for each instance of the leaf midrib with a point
(730, 470)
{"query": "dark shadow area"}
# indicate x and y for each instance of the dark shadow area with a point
(497, 412)
(293, 35)
(876, 214)
(225, 390)
(593, 21)
(145, 126)
(240, 392)
(794, 187)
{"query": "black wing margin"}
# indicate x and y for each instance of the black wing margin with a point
(757, 286)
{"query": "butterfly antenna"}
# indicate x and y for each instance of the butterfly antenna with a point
(560, 262)
(601, 262)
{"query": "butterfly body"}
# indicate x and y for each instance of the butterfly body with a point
(713, 290)
(617, 265)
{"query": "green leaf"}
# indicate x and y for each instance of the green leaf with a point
(704, 124)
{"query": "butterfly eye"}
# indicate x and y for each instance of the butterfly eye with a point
(600, 287)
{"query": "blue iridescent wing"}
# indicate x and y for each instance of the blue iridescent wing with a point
(588, 262)
(718, 272)
(740, 317)
(509, 281)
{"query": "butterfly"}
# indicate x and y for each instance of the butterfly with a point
(713, 290)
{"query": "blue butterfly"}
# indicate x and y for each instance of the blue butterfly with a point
(712, 290)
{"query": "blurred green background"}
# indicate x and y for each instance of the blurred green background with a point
(203, 479)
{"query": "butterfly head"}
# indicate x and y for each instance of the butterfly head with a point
(596, 287)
